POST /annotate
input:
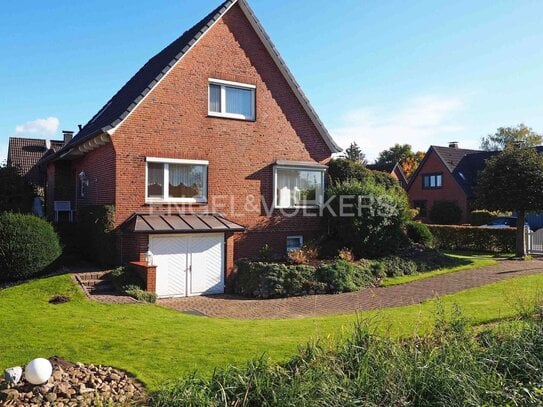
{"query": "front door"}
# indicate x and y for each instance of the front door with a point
(188, 264)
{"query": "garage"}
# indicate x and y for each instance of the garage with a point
(188, 251)
(188, 265)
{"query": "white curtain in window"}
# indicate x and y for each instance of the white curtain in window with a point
(298, 187)
(155, 179)
(239, 101)
(186, 181)
(215, 98)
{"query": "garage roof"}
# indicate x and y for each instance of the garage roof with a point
(180, 223)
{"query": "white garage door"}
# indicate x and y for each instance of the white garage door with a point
(188, 264)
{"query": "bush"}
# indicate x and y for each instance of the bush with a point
(268, 280)
(16, 193)
(372, 226)
(341, 169)
(395, 266)
(419, 233)
(122, 278)
(28, 245)
(96, 224)
(344, 276)
(445, 213)
(473, 238)
(140, 294)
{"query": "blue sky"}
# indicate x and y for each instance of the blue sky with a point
(378, 72)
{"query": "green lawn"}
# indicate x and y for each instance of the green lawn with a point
(471, 261)
(158, 344)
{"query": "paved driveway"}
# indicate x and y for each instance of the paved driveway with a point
(371, 298)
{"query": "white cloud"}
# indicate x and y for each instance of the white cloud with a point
(41, 127)
(420, 122)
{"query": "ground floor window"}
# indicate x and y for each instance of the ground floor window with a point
(294, 243)
(298, 187)
(421, 205)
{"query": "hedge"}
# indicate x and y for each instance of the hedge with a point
(96, 225)
(445, 213)
(473, 238)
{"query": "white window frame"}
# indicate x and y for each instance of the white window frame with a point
(300, 239)
(320, 199)
(225, 84)
(165, 197)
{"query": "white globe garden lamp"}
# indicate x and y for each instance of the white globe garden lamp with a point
(38, 371)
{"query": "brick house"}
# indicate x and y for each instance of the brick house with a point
(395, 170)
(205, 153)
(447, 174)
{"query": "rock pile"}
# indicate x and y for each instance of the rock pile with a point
(76, 384)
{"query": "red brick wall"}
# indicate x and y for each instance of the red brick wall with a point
(451, 191)
(99, 165)
(172, 122)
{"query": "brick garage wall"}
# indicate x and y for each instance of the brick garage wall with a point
(451, 191)
(172, 122)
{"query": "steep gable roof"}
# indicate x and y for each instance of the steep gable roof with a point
(25, 153)
(143, 82)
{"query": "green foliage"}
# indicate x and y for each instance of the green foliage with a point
(372, 226)
(140, 294)
(512, 180)
(268, 280)
(482, 216)
(454, 366)
(16, 193)
(419, 233)
(341, 169)
(473, 238)
(354, 153)
(445, 213)
(519, 136)
(395, 154)
(395, 266)
(265, 253)
(98, 243)
(28, 245)
(345, 276)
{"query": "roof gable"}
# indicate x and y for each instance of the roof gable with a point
(123, 103)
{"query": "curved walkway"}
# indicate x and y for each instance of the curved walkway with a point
(371, 298)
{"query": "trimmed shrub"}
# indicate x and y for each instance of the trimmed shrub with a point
(371, 226)
(268, 280)
(395, 266)
(419, 233)
(445, 213)
(96, 224)
(473, 238)
(341, 169)
(16, 193)
(345, 276)
(28, 245)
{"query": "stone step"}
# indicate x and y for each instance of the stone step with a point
(94, 282)
(93, 275)
(101, 287)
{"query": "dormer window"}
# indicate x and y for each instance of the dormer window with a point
(232, 100)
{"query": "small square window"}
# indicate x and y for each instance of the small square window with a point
(432, 181)
(231, 99)
(294, 243)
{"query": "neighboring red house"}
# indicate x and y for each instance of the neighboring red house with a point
(393, 169)
(447, 174)
(26, 154)
(195, 149)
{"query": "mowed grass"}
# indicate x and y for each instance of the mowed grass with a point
(158, 344)
(470, 261)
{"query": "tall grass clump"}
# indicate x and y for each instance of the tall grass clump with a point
(454, 365)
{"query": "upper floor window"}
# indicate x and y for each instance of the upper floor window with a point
(174, 180)
(231, 99)
(432, 181)
(298, 187)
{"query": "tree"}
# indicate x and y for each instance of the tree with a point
(410, 164)
(519, 136)
(16, 194)
(354, 153)
(512, 181)
(395, 154)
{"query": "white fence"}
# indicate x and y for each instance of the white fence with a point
(534, 242)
